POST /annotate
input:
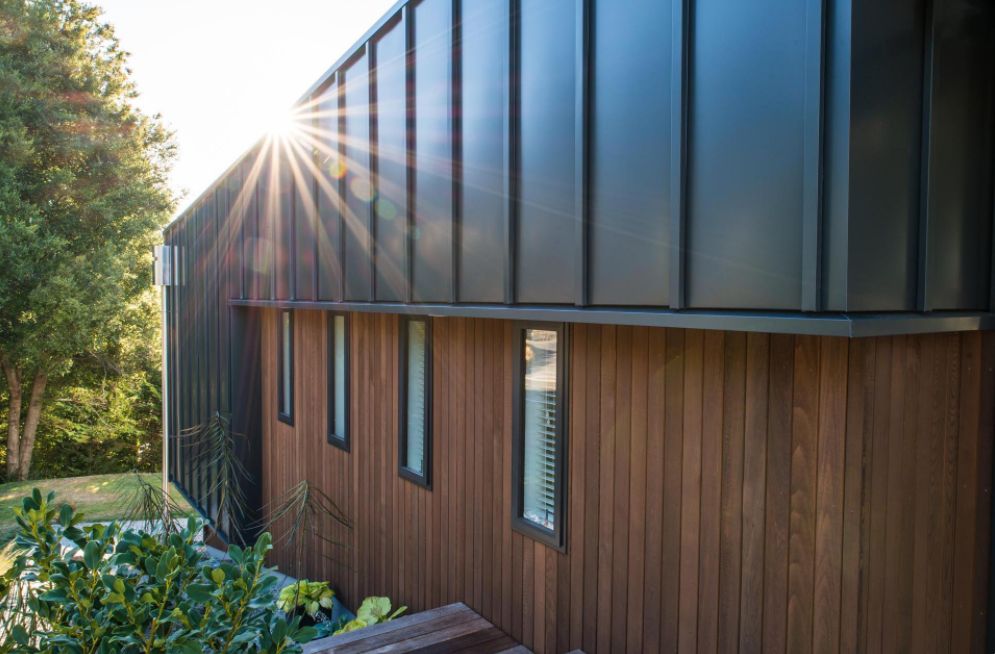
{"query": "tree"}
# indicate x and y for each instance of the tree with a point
(83, 193)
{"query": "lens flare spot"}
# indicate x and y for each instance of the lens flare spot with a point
(386, 209)
(336, 168)
(362, 189)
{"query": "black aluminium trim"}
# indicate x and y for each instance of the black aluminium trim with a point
(555, 538)
(582, 157)
(285, 416)
(812, 206)
(512, 157)
(424, 480)
(680, 32)
(342, 442)
(848, 325)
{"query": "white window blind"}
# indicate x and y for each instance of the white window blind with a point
(416, 379)
(339, 380)
(541, 432)
(286, 368)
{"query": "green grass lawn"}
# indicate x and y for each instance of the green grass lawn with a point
(98, 497)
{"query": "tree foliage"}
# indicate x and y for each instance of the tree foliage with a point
(83, 192)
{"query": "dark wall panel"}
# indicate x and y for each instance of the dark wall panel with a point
(630, 246)
(282, 203)
(329, 183)
(235, 220)
(484, 89)
(433, 206)
(886, 129)
(261, 244)
(359, 190)
(745, 154)
(547, 211)
(305, 218)
(391, 206)
(960, 155)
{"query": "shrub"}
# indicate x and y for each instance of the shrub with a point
(130, 591)
(309, 596)
(374, 610)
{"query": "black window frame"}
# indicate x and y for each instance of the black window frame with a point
(425, 479)
(556, 537)
(286, 417)
(342, 442)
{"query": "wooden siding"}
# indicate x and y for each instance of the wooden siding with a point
(727, 491)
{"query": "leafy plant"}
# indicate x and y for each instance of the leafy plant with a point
(216, 458)
(149, 506)
(306, 507)
(310, 596)
(134, 592)
(374, 610)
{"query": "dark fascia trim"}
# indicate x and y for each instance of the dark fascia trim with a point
(284, 417)
(424, 480)
(847, 325)
(555, 538)
(343, 442)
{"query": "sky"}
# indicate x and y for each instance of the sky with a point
(223, 72)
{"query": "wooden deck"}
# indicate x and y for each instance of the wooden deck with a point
(451, 628)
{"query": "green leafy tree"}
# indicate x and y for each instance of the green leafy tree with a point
(83, 191)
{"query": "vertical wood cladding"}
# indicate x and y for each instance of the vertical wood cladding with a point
(727, 491)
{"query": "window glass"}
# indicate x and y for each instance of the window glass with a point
(286, 362)
(541, 432)
(339, 377)
(416, 397)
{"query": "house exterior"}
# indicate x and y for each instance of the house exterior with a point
(642, 325)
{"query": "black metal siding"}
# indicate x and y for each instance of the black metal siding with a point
(746, 147)
(484, 93)
(630, 242)
(432, 206)
(547, 217)
(391, 203)
(358, 184)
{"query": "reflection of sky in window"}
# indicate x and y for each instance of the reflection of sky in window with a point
(539, 475)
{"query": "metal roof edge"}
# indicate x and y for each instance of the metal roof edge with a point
(845, 325)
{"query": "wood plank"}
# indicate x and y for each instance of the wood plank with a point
(606, 509)
(829, 495)
(803, 488)
(656, 399)
(593, 495)
(968, 501)
(637, 491)
(754, 486)
(623, 430)
(577, 438)
(401, 624)
(903, 435)
(878, 491)
(711, 492)
(691, 479)
(673, 462)
(731, 502)
(856, 502)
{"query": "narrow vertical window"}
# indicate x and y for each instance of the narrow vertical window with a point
(286, 366)
(540, 441)
(338, 381)
(415, 447)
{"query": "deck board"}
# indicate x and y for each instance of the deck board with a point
(447, 629)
